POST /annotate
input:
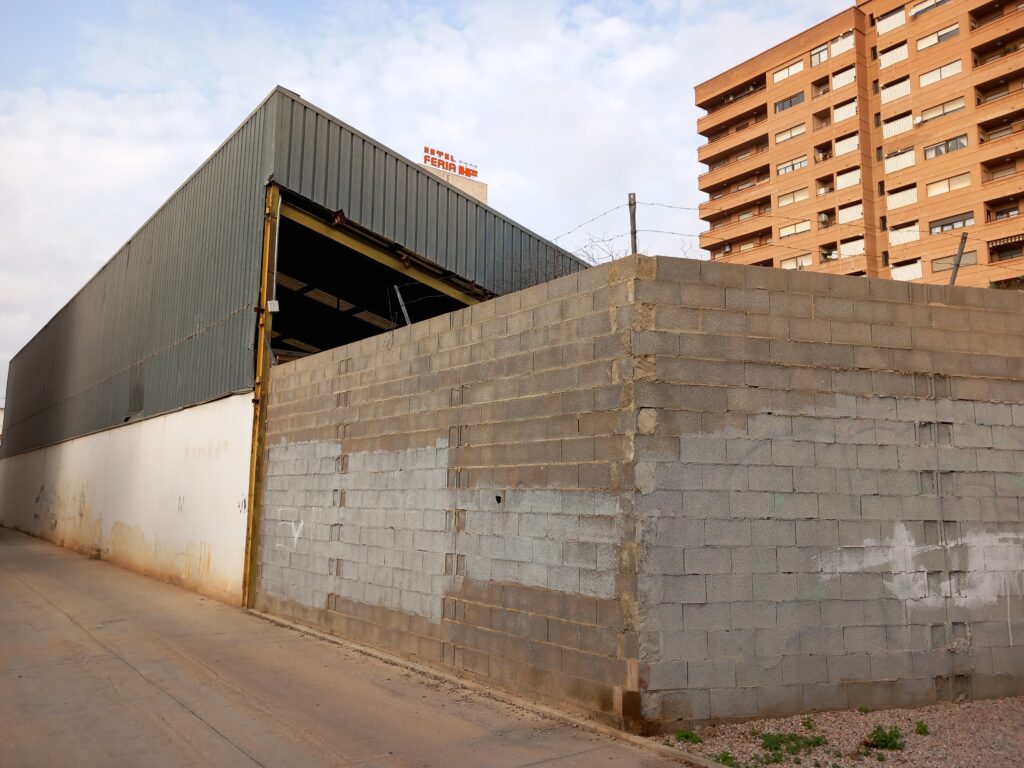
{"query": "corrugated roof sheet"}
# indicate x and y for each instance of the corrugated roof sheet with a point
(168, 322)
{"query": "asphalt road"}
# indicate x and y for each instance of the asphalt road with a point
(103, 667)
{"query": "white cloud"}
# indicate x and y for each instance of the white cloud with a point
(564, 108)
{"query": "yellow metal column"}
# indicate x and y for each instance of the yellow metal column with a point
(271, 213)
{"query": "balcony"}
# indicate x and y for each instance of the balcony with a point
(1002, 168)
(734, 199)
(997, 128)
(733, 250)
(999, 88)
(998, 49)
(727, 107)
(1003, 210)
(720, 102)
(992, 12)
(823, 153)
(736, 166)
(759, 237)
(733, 226)
(1006, 248)
(736, 135)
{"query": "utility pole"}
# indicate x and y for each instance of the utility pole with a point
(632, 222)
(959, 256)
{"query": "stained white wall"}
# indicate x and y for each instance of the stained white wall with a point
(166, 496)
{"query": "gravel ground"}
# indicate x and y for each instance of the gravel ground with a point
(967, 734)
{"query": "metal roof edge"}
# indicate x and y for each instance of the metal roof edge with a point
(167, 200)
(328, 116)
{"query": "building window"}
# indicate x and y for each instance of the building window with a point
(848, 143)
(895, 90)
(792, 69)
(941, 73)
(943, 186)
(926, 5)
(954, 105)
(819, 55)
(891, 20)
(797, 262)
(792, 165)
(842, 44)
(901, 197)
(900, 159)
(950, 223)
(851, 212)
(946, 262)
(843, 77)
(938, 37)
(790, 133)
(945, 147)
(792, 101)
(794, 229)
(893, 55)
(794, 197)
(747, 184)
(848, 178)
(844, 111)
(1007, 213)
(894, 126)
(904, 233)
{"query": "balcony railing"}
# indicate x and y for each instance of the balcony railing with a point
(821, 157)
(733, 161)
(988, 177)
(734, 250)
(988, 99)
(724, 195)
(1006, 11)
(1007, 50)
(730, 132)
(732, 99)
(1002, 132)
(716, 225)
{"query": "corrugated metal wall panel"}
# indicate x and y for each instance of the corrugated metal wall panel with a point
(391, 196)
(168, 322)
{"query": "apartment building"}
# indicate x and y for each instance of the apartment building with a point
(869, 143)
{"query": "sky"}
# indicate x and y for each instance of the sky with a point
(106, 107)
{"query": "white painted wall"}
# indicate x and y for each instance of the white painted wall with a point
(166, 496)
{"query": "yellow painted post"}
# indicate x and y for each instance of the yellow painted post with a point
(271, 212)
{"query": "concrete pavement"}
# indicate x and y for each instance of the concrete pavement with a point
(100, 667)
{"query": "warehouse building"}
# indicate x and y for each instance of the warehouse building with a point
(134, 417)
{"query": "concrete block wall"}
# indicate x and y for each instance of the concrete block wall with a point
(829, 492)
(458, 491)
(663, 491)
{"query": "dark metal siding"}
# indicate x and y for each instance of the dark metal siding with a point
(168, 322)
(322, 159)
